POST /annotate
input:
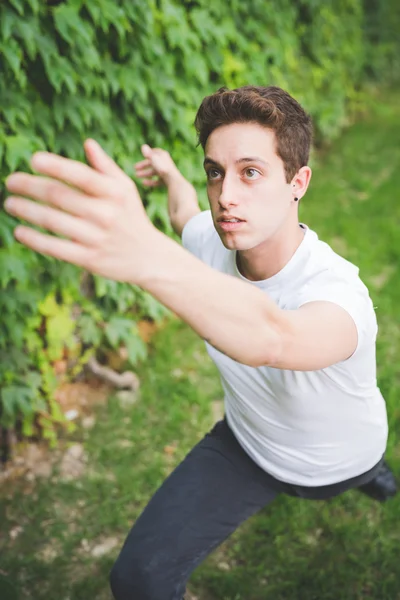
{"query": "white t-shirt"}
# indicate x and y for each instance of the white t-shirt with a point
(309, 428)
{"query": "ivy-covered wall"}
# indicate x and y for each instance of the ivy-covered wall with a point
(132, 71)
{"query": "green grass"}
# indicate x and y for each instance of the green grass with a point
(342, 549)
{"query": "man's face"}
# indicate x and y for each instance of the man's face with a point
(246, 179)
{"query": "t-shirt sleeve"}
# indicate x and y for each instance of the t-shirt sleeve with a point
(354, 299)
(195, 230)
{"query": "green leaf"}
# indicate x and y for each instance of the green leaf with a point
(152, 308)
(12, 268)
(13, 55)
(29, 33)
(15, 398)
(19, 150)
(70, 25)
(118, 329)
(89, 330)
(35, 5)
(16, 109)
(18, 5)
(137, 349)
(60, 71)
(59, 330)
(6, 232)
(28, 426)
(33, 380)
(108, 14)
(8, 20)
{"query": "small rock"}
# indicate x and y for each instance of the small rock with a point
(48, 553)
(76, 451)
(72, 414)
(85, 545)
(88, 422)
(15, 531)
(125, 444)
(127, 398)
(105, 547)
(313, 538)
(73, 462)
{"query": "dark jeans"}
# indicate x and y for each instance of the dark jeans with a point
(215, 489)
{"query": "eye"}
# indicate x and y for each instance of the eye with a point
(252, 173)
(212, 174)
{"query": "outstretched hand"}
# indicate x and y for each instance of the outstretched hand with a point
(97, 209)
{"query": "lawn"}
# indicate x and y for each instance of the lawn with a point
(59, 535)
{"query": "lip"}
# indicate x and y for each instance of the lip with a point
(230, 226)
(228, 217)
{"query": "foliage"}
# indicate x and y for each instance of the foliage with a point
(382, 26)
(126, 72)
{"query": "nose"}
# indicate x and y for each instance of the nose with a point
(227, 196)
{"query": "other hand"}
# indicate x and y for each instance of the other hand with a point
(157, 169)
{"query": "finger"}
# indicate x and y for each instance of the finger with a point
(149, 172)
(101, 161)
(52, 246)
(53, 220)
(59, 195)
(142, 163)
(146, 150)
(74, 173)
(159, 151)
(152, 182)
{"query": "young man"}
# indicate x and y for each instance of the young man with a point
(288, 323)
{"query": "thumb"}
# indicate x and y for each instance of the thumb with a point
(146, 150)
(100, 160)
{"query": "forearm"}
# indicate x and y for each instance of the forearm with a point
(233, 316)
(182, 201)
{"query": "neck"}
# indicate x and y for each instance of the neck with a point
(269, 257)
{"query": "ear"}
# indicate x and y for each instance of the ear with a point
(99, 159)
(300, 182)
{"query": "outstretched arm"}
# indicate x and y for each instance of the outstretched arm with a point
(158, 169)
(99, 212)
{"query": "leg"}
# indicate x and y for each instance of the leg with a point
(200, 504)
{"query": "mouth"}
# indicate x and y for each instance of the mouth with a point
(231, 224)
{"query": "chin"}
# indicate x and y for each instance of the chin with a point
(228, 240)
(233, 243)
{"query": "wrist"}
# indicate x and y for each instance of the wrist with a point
(152, 254)
(172, 176)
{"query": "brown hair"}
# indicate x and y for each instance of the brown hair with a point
(269, 106)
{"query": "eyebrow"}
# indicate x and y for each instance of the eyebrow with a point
(247, 159)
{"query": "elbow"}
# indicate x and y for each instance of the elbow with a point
(270, 352)
(266, 360)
